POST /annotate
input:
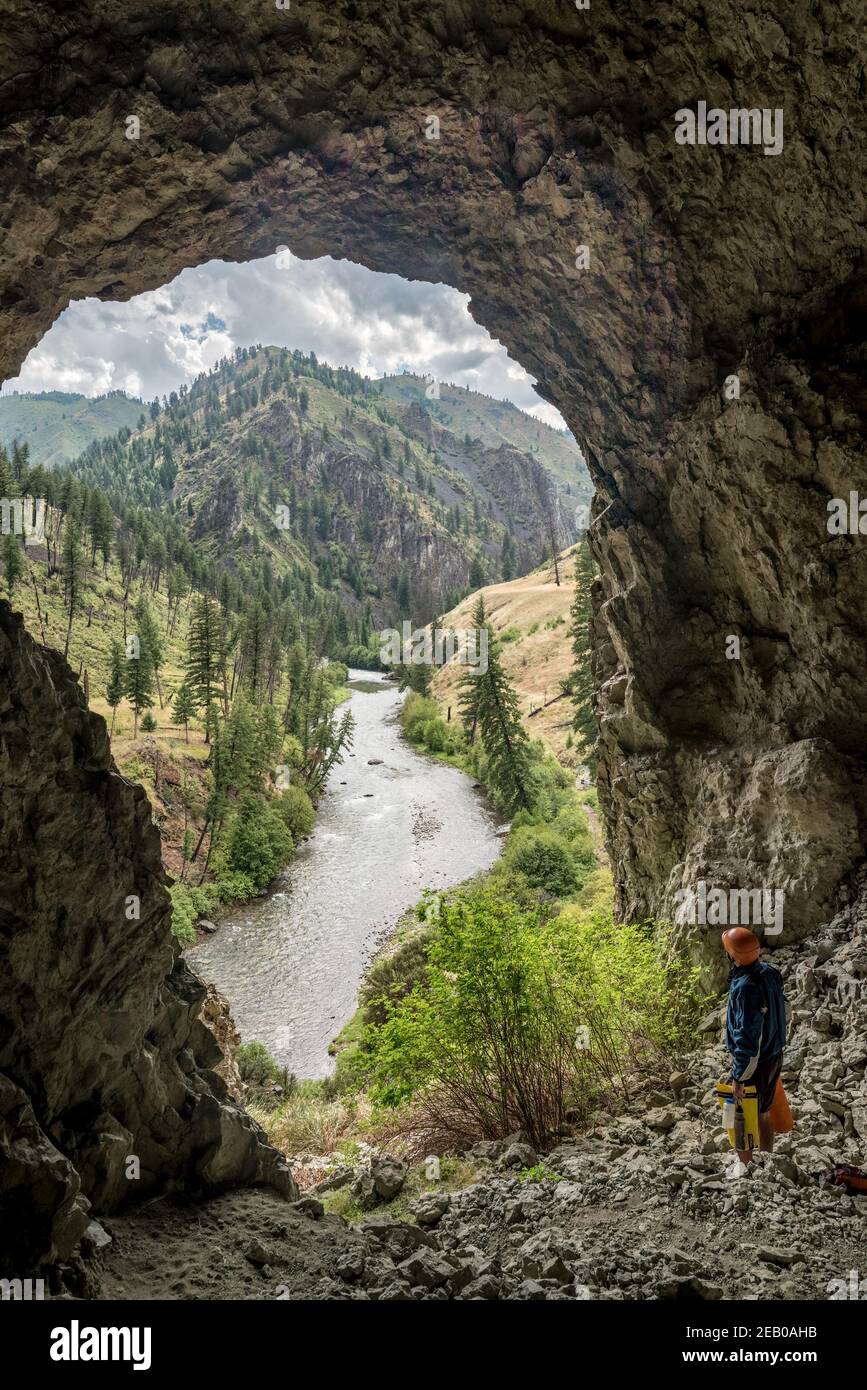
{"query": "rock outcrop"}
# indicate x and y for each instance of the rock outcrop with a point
(108, 1091)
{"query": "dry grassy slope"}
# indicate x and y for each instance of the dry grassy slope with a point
(159, 760)
(536, 661)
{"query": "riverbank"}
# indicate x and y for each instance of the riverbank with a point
(391, 824)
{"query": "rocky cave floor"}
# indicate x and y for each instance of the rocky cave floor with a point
(647, 1206)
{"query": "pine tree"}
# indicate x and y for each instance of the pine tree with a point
(203, 645)
(254, 649)
(468, 684)
(494, 705)
(150, 637)
(403, 592)
(8, 485)
(579, 683)
(72, 564)
(184, 708)
(116, 688)
(13, 561)
(139, 688)
(477, 573)
(508, 558)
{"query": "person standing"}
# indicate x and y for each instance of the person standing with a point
(755, 1027)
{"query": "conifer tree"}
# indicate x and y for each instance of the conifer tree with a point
(493, 705)
(404, 594)
(184, 708)
(255, 649)
(72, 564)
(13, 561)
(8, 484)
(203, 645)
(116, 688)
(579, 683)
(508, 558)
(468, 684)
(150, 637)
(139, 682)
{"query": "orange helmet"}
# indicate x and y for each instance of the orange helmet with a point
(741, 944)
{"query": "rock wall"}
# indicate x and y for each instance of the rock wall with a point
(107, 1092)
(554, 131)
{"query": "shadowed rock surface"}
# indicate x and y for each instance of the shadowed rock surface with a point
(102, 1054)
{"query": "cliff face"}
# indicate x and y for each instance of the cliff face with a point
(308, 127)
(106, 1087)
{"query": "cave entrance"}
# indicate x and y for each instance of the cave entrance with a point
(331, 456)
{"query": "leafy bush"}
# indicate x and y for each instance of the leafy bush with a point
(523, 1018)
(259, 842)
(415, 712)
(510, 634)
(235, 886)
(391, 977)
(295, 809)
(148, 723)
(540, 1172)
(544, 858)
(363, 658)
(184, 913)
(435, 733)
(256, 1065)
(336, 673)
(192, 901)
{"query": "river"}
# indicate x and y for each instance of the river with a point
(290, 964)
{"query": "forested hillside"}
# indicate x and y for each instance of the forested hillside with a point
(205, 572)
(58, 425)
(286, 473)
(496, 422)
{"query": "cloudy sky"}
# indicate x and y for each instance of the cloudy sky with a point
(347, 315)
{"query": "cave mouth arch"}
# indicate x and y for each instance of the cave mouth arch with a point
(556, 132)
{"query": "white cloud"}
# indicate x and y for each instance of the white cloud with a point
(345, 314)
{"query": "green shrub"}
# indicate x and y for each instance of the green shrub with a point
(184, 913)
(417, 711)
(540, 1172)
(190, 902)
(148, 723)
(510, 634)
(435, 733)
(364, 658)
(235, 886)
(544, 858)
(523, 1018)
(295, 809)
(571, 822)
(391, 977)
(259, 842)
(255, 1064)
(336, 673)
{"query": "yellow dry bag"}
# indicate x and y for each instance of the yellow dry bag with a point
(740, 1118)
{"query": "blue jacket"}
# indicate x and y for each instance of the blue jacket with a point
(755, 1018)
